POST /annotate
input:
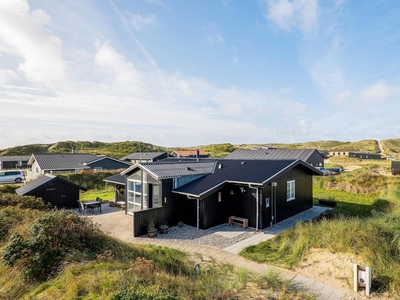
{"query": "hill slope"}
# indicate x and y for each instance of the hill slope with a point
(391, 147)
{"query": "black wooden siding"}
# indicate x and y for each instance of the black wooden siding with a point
(361, 155)
(212, 212)
(395, 167)
(14, 165)
(316, 159)
(58, 194)
(169, 212)
(303, 194)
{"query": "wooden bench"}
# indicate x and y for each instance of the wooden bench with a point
(239, 221)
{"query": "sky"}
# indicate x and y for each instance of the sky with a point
(187, 73)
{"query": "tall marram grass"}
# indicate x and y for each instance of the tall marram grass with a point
(58, 255)
(375, 241)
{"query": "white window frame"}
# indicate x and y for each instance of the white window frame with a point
(291, 190)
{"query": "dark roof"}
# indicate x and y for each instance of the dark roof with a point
(15, 158)
(117, 179)
(302, 154)
(143, 155)
(161, 170)
(61, 161)
(254, 172)
(98, 158)
(43, 180)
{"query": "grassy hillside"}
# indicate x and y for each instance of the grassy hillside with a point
(120, 149)
(25, 150)
(117, 149)
(391, 148)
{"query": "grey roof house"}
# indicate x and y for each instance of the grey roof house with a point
(311, 156)
(144, 157)
(54, 190)
(50, 163)
(365, 155)
(14, 161)
(206, 194)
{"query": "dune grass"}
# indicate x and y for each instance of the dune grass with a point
(59, 255)
(366, 224)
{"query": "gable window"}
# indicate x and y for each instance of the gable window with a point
(156, 196)
(290, 190)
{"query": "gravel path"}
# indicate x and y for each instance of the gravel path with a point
(189, 234)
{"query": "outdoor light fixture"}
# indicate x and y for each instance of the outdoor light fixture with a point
(231, 192)
(242, 189)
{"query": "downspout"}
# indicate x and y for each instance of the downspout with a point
(273, 209)
(257, 201)
(198, 213)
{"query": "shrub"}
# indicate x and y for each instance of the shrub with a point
(52, 237)
(89, 179)
(23, 202)
(8, 188)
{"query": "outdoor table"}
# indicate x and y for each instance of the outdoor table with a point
(92, 204)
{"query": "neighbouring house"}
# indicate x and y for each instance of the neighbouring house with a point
(51, 163)
(395, 167)
(365, 155)
(339, 152)
(118, 181)
(14, 161)
(60, 193)
(190, 154)
(206, 194)
(311, 156)
(144, 157)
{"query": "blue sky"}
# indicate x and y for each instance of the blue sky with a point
(186, 73)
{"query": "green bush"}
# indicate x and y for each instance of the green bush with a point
(51, 238)
(23, 202)
(89, 179)
(8, 188)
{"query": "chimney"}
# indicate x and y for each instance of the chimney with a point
(73, 150)
(197, 154)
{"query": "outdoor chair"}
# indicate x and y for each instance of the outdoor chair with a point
(101, 202)
(81, 207)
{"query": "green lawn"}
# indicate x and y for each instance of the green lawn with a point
(347, 203)
(107, 194)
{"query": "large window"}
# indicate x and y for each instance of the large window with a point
(156, 196)
(137, 194)
(290, 190)
(141, 194)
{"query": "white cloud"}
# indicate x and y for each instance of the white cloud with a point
(115, 65)
(8, 76)
(138, 21)
(24, 31)
(379, 93)
(342, 97)
(295, 108)
(288, 14)
(214, 35)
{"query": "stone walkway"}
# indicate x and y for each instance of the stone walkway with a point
(115, 222)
